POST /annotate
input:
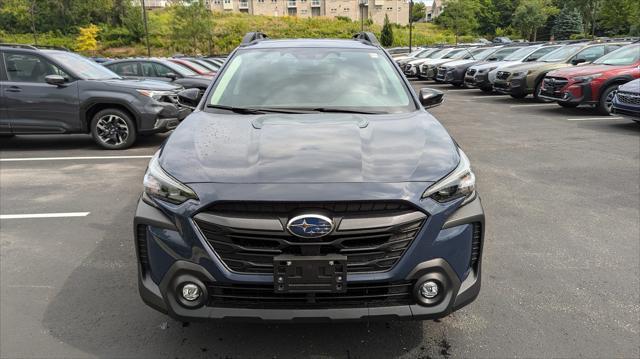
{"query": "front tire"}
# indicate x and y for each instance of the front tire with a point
(606, 101)
(113, 129)
(536, 93)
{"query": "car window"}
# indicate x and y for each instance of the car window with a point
(125, 68)
(560, 54)
(351, 79)
(541, 52)
(148, 70)
(591, 53)
(161, 70)
(503, 53)
(29, 68)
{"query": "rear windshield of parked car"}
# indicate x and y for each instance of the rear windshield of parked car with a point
(627, 55)
(350, 79)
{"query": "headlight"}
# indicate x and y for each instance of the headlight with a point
(158, 184)
(458, 184)
(520, 74)
(156, 95)
(588, 78)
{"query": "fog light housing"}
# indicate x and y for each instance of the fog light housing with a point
(429, 289)
(191, 292)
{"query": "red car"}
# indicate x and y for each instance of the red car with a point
(199, 69)
(593, 84)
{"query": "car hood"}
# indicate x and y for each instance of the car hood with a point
(583, 70)
(309, 148)
(537, 66)
(492, 64)
(632, 86)
(437, 62)
(142, 84)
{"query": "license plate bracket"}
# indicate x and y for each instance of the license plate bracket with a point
(310, 274)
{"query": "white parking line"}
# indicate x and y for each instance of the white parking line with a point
(534, 105)
(71, 158)
(44, 215)
(492, 96)
(595, 118)
(461, 90)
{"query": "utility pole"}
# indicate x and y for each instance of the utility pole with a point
(361, 3)
(410, 24)
(146, 28)
(33, 22)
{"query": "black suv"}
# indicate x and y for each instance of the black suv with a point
(159, 69)
(44, 91)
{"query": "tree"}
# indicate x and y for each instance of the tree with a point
(590, 10)
(418, 11)
(87, 40)
(620, 17)
(460, 17)
(530, 15)
(567, 23)
(488, 17)
(192, 28)
(386, 36)
(134, 23)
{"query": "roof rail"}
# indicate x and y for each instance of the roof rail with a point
(366, 36)
(251, 37)
(19, 46)
(51, 47)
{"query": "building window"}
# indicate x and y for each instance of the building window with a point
(260, 0)
(304, 12)
(217, 2)
(333, 10)
(389, 9)
(346, 9)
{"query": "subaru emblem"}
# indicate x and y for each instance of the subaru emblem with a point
(310, 226)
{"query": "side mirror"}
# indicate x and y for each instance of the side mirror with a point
(431, 97)
(190, 97)
(531, 59)
(172, 76)
(55, 80)
(577, 61)
(492, 59)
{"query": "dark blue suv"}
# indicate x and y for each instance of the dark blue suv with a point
(310, 184)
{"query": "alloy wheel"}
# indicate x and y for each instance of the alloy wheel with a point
(112, 130)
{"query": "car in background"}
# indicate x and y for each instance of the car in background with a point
(54, 92)
(428, 68)
(594, 84)
(410, 68)
(398, 51)
(216, 60)
(525, 79)
(160, 70)
(483, 75)
(626, 101)
(197, 68)
(453, 72)
(412, 54)
(212, 66)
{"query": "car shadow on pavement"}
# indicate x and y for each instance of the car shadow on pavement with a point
(99, 312)
(27, 143)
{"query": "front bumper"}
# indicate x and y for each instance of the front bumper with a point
(512, 86)
(479, 80)
(170, 254)
(574, 94)
(162, 116)
(626, 110)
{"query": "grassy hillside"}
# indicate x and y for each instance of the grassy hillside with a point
(228, 30)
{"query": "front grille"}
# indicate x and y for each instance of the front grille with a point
(251, 250)
(553, 86)
(503, 75)
(263, 296)
(628, 98)
(442, 71)
(471, 72)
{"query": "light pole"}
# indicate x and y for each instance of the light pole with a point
(362, 3)
(410, 24)
(146, 29)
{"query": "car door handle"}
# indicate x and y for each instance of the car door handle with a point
(13, 89)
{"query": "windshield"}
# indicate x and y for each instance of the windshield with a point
(452, 53)
(83, 67)
(561, 54)
(502, 53)
(179, 69)
(312, 78)
(478, 54)
(427, 53)
(627, 55)
(520, 54)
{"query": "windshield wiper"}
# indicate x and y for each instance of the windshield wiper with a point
(247, 110)
(338, 110)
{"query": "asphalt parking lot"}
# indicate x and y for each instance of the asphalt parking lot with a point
(561, 190)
